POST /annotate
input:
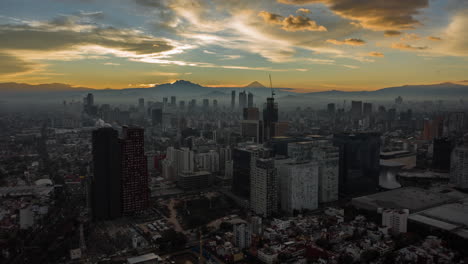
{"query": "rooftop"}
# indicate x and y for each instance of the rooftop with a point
(412, 198)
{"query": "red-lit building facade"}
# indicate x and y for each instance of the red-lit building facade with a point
(135, 191)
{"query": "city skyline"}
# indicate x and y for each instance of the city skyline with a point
(305, 44)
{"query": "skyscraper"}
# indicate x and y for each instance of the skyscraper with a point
(135, 190)
(105, 188)
(270, 116)
(331, 108)
(359, 163)
(233, 99)
(242, 100)
(244, 158)
(356, 108)
(173, 101)
(367, 109)
(156, 116)
(250, 99)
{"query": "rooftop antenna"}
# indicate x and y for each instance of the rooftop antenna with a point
(271, 87)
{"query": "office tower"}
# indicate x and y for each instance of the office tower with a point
(397, 220)
(242, 100)
(442, 149)
(252, 130)
(356, 108)
(233, 99)
(215, 103)
(192, 104)
(156, 116)
(251, 113)
(250, 98)
(331, 108)
(182, 105)
(242, 235)
(456, 122)
(141, 104)
(89, 99)
(398, 100)
(173, 101)
(263, 187)
(244, 158)
(459, 166)
(206, 103)
(299, 184)
(270, 116)
(367, 109)
(326, 156)
(165, 101)
(105, 188)
(88, 105)
(359, 163)
(135, 190)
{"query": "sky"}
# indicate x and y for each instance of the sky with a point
(304, 44)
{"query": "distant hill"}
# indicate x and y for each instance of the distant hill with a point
(48, 87)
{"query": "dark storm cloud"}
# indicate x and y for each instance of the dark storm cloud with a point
(374, 14)
(291, 23)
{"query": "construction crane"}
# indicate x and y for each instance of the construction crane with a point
(271, 87)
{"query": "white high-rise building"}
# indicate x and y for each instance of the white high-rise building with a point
(263, 187)
(242, 235)
(207, 161)
(326, 156)
(459, 167)
(299, 185)
(397, 220)
(26, 217)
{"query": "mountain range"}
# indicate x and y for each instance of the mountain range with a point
(185, 90)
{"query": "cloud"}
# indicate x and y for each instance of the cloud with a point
(376, 54)
(392, 33)
(303, 11)
(291, 23)
(322, 61)
(410, 37)
(434, 38)
(403, 46)
(209, 52)
(377, 15)
(12, 65)
(351, 66)
(111, 63)
(456, 36)
(350, 41)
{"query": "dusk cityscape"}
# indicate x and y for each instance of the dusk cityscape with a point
(210, 131)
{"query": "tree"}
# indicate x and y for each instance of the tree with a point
(369, 255)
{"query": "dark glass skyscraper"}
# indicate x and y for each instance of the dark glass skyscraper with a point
(105, 186)
(250, 98)
(359, 163)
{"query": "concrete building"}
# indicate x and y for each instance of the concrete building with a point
(459, 167)
(263, 187)
(326, 156)
(299, 184)
(397, 220)
(242, 235)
